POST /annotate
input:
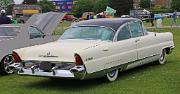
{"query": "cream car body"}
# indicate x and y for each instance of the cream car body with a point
(130, 46)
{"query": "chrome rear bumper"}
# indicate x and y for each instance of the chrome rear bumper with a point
(76, 72)
(58, 73)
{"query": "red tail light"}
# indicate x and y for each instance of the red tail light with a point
(78, 59)
(16, 57)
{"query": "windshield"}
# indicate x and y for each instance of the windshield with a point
(88, 33)
(9, 31)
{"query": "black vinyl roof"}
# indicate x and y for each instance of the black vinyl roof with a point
(113, 23)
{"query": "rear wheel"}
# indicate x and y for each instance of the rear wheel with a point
(112, 75)
(4, 65)
(162, 58)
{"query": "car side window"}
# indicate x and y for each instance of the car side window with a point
(124, 33)
(35, 33)
(136, 29)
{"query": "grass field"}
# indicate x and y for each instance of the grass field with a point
(148, 79)
(61, 27)
(165, 22)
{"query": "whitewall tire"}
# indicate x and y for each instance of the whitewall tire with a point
(112, 75)
(162, 58)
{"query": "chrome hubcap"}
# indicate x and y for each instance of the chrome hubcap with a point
(112, 73)
(8, 60)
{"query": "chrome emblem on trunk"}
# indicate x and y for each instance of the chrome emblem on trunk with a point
(48, 55)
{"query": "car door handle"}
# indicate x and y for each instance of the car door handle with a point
(137, 40)
(105, 49)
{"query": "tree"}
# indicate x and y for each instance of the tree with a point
(46, 5)
(29, 1)
(10, 9)
(100, 5)
(5, 3)
(82, 6)
(175, 5)
(121, 6)
(145, 3)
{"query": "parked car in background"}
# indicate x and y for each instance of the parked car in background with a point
(125, 16)
(96, 48)
(144, 15)
(68, 17)
(159, 16)
(178, 14)
(23, 12)
(37, 30)
(85, 14)
(167, 15)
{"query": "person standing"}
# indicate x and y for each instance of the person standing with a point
(174, 18)
(152, 18)
(3, 18)
(88, 16)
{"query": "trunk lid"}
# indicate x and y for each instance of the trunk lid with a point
(62, 50)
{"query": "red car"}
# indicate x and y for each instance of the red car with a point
(69, 17)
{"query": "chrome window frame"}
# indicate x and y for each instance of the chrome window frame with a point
(141, 27)
(119, 30)
(128, 23)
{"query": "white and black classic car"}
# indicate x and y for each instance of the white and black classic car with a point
(37, 30)
(96, 48)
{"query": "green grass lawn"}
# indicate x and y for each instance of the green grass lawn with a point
(148, 79)
(165, 22)
(61, 27)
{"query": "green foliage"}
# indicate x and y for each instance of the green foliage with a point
(46, 5)
(160, 9)
(145, 3)
(83, 6)
(29, 1)
(175, 5)
(9, 9)
(100, 6)
(122, 7)
(61, 28)
(5, 3)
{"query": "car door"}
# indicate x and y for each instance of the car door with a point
(137, 34)
(145, 42)
(123, 49)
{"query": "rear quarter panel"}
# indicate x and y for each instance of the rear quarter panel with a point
(153, 43)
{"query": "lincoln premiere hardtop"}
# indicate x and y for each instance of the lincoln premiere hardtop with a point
(96, 48)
